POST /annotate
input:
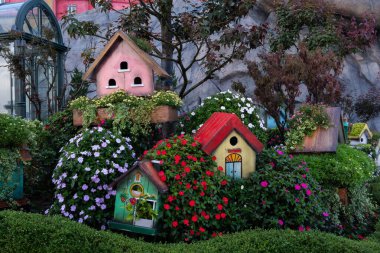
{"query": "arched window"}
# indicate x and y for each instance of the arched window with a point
(123, 65)
(233, 166)
(112, 83)
(137, 81)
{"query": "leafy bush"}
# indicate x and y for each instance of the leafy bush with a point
(374, 189)
(348, 167)
(88, 164)
(8, 164)
(50, 136)
(304, 123)
(195, 206)
(225, 102)
(14, 131)
(280, 194)
(25, 232)
(355, 220)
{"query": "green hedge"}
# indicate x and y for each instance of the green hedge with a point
(348, 167)
(24, 232)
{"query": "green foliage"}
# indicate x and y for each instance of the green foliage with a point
(356, 130)
(304, 123)
(78, 86)
(14, 131)
(368, 149)
(50, 136)
(374, 189)
(89, 162)
(9, 159)
(25, 232)
(195, 206)
(143, 209)
(355, 220)
(280, 194)
(348, 167)
(226, 102)
(316, 23)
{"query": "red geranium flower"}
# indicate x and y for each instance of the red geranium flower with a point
(183, 142)
(202, 159)
(220, 207)
(171, 198)
(188, 186)
(225, 200)
(202, 230)
(209, 173)
(207, 217)
(166, 206)
(220, 168)
(202, 194)
(177, 208)
(192, 203)
(223, 182)
(183, 163)
(223, 215)
(133, 201)
(174, 224)
(161, 173)
(214, 234)
(158, 152)
(177, 177)
(180, 193)
(194, 144)
(145, 152)
(191, 232)
(186, 222)
(168, 145)
(163, 152)
(194, 218)
(163, 178)
(217, 216)
(187, 169)
(214, 158)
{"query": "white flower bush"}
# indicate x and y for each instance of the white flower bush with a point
(225, 102)
(87, 165)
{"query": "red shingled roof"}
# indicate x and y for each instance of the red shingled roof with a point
(219, 126)
(148, 170)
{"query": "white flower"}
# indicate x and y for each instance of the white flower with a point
(250, 125)
(242, 116)
(228, 99)
(192, 113)
(118, 140)
(242, 187)
(223, 108)
(75, 176)
(193, 131)
(122, 148)
(87, 169)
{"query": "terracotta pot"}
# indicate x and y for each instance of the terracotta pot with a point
(343, 196)
(101, 114)
(164, 113)
(25, 153)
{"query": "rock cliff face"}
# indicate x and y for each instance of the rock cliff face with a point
(361, 71)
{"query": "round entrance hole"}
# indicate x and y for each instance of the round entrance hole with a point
(233, 141)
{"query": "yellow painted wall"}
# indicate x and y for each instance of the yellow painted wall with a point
(50, 3)
(247, 153)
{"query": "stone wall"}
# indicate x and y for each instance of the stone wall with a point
(361, 70)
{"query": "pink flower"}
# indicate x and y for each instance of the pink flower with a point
(297, 187)
(280, 152)
(264, 184)
(307, 169)
(308, 192)
(291, 156)
(297, 200)
(301, 228)
(304, 185)
(325, 214)
(280, 222)
(304, 175)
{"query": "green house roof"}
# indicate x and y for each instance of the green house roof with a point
(358, 130)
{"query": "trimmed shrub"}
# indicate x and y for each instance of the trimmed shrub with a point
(348, 167)
(14, 131)
(374, 189)
(88, 164)
(225, 102)
(195, 206)
(280, 194)
(23, 232)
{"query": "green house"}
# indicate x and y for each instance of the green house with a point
(138, 199)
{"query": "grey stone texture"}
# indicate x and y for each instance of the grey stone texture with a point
(361, 71)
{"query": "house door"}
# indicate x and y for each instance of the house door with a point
(233, 166)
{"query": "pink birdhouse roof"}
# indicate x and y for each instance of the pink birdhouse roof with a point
(219, 126)
(120, 36)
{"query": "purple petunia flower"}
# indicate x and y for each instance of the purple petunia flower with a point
(84, 187)
(86, 198)
(80, 159)
(73, 208)
(96, 154)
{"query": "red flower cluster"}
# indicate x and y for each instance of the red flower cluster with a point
(194, 206)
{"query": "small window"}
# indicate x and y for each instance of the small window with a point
(361, 140)
(233, 141)
(137, 81)
(72, 9)
(112, 83)
(124, 65)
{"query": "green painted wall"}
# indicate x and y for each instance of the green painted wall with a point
(17, 181)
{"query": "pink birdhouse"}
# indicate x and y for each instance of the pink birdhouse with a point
(122, 65)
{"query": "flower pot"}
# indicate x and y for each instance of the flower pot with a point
(342, 192)
(101, 114)
(164, 113)
(146, 223)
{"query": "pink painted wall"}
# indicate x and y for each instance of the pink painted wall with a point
(108, 69)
